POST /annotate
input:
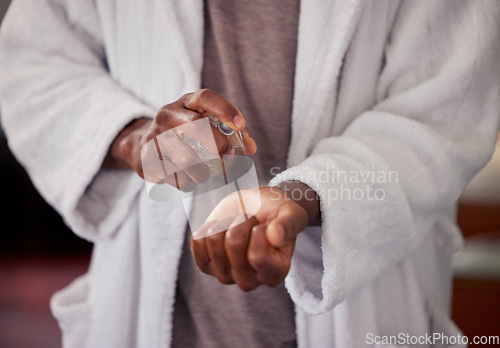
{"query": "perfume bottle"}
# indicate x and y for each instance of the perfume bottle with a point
(218, 164)
(235, 137)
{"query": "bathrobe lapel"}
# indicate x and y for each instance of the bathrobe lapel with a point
(325, 30)
(185, 22)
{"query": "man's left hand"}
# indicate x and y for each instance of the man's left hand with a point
(258, 250)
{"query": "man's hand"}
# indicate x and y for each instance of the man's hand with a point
(125, 151)
(258, 250)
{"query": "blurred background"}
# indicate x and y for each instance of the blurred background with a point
(39, 255)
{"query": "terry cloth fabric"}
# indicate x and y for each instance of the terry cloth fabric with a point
(404, 86)
(249, 58)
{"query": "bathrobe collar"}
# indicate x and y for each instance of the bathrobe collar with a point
(317, 66)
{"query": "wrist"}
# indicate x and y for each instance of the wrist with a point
(306, 197)
(124, 152)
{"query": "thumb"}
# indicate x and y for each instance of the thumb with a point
(288, 222)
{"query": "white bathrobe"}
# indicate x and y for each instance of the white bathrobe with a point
(408, 87)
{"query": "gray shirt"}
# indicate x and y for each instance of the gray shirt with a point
(249, 58)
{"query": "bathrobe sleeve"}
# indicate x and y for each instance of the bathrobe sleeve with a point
(434, 128)
(61, 111)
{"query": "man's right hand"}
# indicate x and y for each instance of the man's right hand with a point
(125, 152)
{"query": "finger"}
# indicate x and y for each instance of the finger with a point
(183, 118)
(288, 222)
(184, 158)
(221, 141)
(236, 244)
(207, 101)
(270, 263)
(250, 145)
(199, 252)
(155, 168)
(217, 253)
(151, 165)
(174, 115)
(207, 134)
(184, 121)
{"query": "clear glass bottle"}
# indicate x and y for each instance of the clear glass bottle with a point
(218, 165)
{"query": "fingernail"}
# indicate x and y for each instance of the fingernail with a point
(239, 122)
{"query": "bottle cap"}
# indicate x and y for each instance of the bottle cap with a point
(225, 129)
